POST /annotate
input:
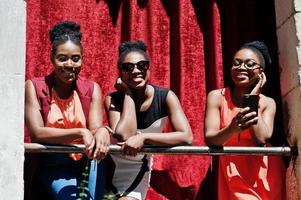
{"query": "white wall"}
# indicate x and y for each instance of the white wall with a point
(12, 75)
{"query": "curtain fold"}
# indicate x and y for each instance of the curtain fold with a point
(184, 45)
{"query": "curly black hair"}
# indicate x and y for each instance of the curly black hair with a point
(63, 32)
(261, 50)
(131, 46)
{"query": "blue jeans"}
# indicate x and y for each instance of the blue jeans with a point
(62, 176)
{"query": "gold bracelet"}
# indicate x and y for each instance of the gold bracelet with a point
(111, 132)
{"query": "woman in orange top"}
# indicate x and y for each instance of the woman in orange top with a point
(229, 123)
(64, 108)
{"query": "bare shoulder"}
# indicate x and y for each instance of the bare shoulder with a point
(114, 101)
(172, 100)
(108, 102)
(214, 97)
(31, 98)
(215, 93)
(96, 86)
(28, 83)
(171, 95)
(269, 103)
(97, 94)
(29, 88)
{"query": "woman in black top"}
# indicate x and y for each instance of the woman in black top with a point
(136, 112)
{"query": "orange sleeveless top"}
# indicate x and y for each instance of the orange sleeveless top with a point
(247, 177)
(67, 113)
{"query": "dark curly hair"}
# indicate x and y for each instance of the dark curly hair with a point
(131, 46)
(63, 32)
(261, 50)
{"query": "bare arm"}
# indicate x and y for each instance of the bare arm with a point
(95, 110)
(124, 122)
(182, 132)
(261, 126)
(263, 130)
(127, 124)
(213, 134)
(35, 124)
(101, 135)
(113, 114)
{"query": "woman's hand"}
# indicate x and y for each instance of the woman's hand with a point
(122, 86)
(89, 142)
(244, 119)
(261, 81)
(133, 145)
(102, 146)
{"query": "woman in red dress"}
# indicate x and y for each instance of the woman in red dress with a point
(229, 122)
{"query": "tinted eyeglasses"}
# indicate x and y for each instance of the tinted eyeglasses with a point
(249, 64)
(142, 65)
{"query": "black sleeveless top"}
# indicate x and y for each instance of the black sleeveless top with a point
(156, 111)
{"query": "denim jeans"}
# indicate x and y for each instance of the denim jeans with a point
(62, 176)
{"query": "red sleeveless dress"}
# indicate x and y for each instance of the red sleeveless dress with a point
(247, 177)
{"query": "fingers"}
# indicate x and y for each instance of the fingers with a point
(88, 141)
(129, 151)
(118, 84)
(89, 148)
(102, 144)
(92, 143)
(101, 151)
(121, 86)
(248, 123)
(245, 119)
(263, 78)
(261, 81)
(243, 111)
(120, 143)
(251, 122)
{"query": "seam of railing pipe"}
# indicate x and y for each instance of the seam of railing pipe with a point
(176, 150)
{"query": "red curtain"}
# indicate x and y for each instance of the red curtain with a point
(184, 44)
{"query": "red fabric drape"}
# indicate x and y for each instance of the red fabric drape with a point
(184, 45)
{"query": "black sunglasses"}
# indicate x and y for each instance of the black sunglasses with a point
(142, 65)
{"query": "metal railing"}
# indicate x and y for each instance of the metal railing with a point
(176, 150)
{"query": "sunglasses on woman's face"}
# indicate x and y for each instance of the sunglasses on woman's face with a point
(142, 65)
